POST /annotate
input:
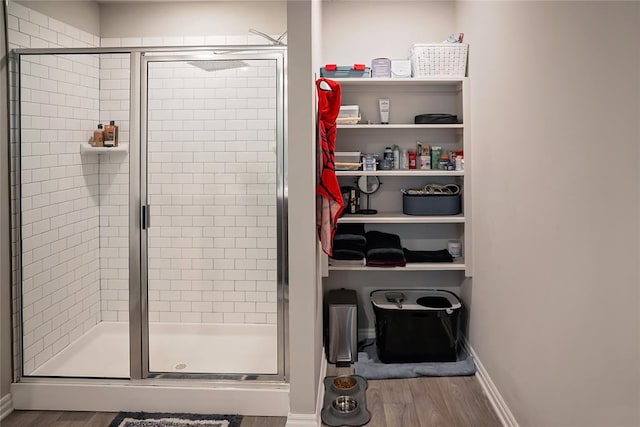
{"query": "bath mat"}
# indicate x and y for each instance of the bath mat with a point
(371, 368)
(153, 419)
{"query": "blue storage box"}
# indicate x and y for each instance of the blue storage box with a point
(334, 71)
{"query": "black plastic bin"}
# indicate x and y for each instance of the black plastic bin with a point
(416, 325)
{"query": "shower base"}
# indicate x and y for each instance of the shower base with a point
(103, 352)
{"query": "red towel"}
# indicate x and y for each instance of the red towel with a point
(329, 203)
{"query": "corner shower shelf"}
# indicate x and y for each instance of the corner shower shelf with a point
(88, 148)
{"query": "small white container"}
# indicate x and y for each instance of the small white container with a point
(455, 248)
(400, 68)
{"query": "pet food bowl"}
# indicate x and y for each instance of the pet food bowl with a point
(345, 405)
(344, 383)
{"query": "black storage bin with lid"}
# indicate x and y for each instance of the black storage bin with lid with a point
(416, 325)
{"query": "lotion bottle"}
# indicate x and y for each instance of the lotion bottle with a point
(384, 111)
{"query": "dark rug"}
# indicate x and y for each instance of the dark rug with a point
(155, 419)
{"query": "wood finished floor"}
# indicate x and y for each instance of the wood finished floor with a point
(414, 402)
(426, 402)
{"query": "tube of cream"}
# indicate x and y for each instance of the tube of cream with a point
(384, 111)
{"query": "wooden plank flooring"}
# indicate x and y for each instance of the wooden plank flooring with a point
(413, 402)
(101, 419)
(426, 402)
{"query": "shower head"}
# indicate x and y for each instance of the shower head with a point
(277, 41)
(219, 65)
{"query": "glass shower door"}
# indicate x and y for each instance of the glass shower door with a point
(212, 144)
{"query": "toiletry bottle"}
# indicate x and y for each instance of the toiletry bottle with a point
(412, 159)
(396, 157)
(384, 111)
(111, 135)
(404, 159)
(98, 136)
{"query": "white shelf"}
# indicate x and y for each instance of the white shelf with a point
(400, 218)
(402, 126)
(456, 265)
(417, 81)
(411, 172)
(88, 148)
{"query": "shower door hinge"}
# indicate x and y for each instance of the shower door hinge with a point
(145, 217)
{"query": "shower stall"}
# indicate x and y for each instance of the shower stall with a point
(159, 262)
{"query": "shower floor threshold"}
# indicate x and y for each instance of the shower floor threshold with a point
(103, 351)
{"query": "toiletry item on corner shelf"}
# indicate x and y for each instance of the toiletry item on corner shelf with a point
(98, 136)
(384, 111)
(111, 134)
(436, 151)
(369, 162)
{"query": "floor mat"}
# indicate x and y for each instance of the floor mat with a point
(370, 367)
(153, 419)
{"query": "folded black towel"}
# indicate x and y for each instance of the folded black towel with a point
(442, 255)
(347, 254)
(355, 228)
(349, 242)
(384, 249)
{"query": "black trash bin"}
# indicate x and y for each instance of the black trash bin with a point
(416, 325)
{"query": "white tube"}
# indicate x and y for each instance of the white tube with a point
(384, 111)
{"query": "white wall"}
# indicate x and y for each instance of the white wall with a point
(303, 18)
(84, 14)
(554, 300)
(358, 31)
(185, 19)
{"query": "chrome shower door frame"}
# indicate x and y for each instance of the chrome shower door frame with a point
(138, 251)
(141, 338)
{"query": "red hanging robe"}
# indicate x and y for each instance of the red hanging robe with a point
(329, 202)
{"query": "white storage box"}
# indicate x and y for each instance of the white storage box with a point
(347, 160)
(400, 68)
(349, 114)
(439, 60)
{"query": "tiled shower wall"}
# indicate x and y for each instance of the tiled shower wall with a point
(212, 170)
(60, 246)
(114, 190)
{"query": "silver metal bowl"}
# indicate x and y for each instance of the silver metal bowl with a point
(345, 404)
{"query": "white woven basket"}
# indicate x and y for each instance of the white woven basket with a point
(433, 60)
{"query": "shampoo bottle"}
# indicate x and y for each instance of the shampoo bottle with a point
(111, 135)
(98, 136)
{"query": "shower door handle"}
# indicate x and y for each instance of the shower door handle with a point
(145, 217)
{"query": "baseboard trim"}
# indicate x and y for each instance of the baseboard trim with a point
(320, 400)
(113, 396)
(312, 420)
(6, 406)
(302, 420)
(493, 394)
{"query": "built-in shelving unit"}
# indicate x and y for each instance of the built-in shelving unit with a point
(408, 98)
